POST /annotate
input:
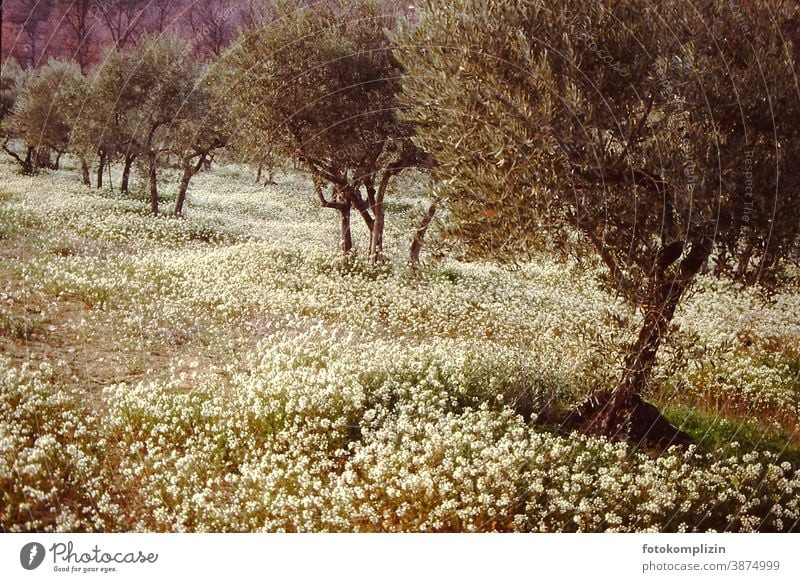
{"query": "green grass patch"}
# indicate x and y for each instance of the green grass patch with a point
(717, 434)
(449, 274)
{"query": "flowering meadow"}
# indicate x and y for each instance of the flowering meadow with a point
(231, 371)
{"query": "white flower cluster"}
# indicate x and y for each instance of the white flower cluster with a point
(306, 443)
(740, 352)
(52, 475)
(255, 381)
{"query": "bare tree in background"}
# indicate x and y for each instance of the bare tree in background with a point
(255, 13)
(213, 24)
(249, 15)
(161, 15)
(124, 19)
(33, 26)
(78, 23)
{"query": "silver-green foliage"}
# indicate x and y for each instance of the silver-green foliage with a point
(637, 124)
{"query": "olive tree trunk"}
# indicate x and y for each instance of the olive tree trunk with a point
(355, 200)
(42, 159)
(189, 171)
(87, 181)
(110, 178)
(379, 224)
(419, 235)
(101, 164)
(347, 236)
(341, 202)
(622, 414)
(25, 163)
(153, 182)
(126, 172)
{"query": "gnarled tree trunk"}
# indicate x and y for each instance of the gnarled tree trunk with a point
(419, 235)
(342, 203)
(126, 173)
(87, 181)
(347, 236)
(153, 181)
(42, 159)
(355, 200)
(101, 164)
(26, 163)
(376, 236)
(189, 170)
(622, 414)
(110, 178)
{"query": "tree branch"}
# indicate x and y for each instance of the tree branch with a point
(616, 271)
(325, 203)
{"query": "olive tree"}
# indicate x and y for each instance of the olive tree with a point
(135, 97)
(99, 131)
(111, 128)
(12, 79)
(40, 115)
(166, 75)
(198, 131)
(318, 85)
(660, 136)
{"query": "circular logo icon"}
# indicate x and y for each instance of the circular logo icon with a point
(31, 555)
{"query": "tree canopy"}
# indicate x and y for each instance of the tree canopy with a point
(319, 85)
(661, 135)
(39, 116)
(141, 94)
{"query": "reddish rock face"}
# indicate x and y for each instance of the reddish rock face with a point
(33, 32)
(82, 29)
